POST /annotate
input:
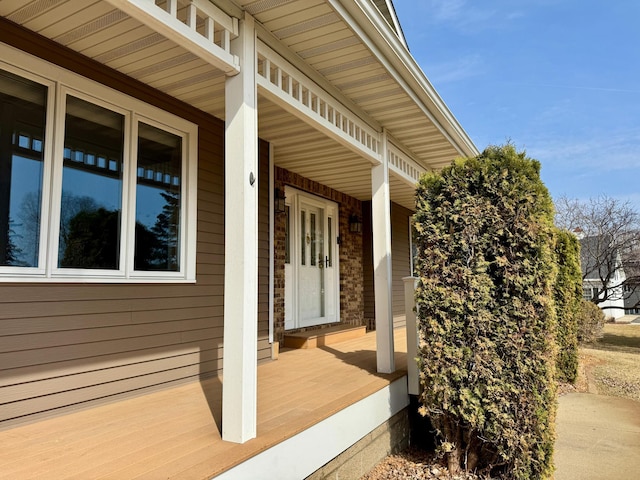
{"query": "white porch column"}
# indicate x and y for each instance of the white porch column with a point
(239, 389)
(381, 224)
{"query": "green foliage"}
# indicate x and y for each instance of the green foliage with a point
(485, 308)
(567, 297)
(590, 322)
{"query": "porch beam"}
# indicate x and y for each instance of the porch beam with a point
(239, 388)
(403, 166)
(299, 95)
(381, 235)
(166, 22)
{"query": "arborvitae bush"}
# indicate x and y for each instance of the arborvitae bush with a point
(568, 297)
(590, 322)
(485, 308)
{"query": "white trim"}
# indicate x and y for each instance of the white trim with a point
(301, 455)
(185, 34)
(283, 83)
(240, 379)
(382, 273)
(64, 83)
(292, 301)
(369, 25)
(411, 328)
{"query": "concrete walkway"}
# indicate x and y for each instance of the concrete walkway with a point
(598, 438)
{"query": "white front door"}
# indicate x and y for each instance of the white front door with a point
(311, 261)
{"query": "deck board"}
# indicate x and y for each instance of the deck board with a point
(175, 433)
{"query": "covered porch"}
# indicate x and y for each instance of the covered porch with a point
(175, 433)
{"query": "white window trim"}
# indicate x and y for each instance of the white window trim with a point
(60, 83)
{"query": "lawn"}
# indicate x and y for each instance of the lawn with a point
(612, 365)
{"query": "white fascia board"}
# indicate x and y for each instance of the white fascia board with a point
(367, 22)
(299, 456)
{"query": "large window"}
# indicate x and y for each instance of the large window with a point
(94, 185)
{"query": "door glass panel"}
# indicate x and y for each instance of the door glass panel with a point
(330, 241)
(22, 130)
(158, 203)
(303, 239)
(313, 239)
(91, 187)
(287, 241)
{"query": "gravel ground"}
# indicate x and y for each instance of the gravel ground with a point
(414, 464)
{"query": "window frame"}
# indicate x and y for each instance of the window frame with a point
(61, 83)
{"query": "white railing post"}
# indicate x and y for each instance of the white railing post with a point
(410, 284)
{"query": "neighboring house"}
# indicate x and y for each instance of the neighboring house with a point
(185, 181)
(603, 275)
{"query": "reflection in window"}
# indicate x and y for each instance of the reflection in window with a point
(91, 193)
(159, 180)
(22, 128)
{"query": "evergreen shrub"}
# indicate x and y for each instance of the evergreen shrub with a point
(590, 322)
(484, 232)
(568, 298)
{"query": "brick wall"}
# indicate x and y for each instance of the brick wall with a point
(351, 274)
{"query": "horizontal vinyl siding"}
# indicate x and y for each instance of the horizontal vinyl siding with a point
(68, 346)
(400, 261)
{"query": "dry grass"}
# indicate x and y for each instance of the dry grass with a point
(612, 365)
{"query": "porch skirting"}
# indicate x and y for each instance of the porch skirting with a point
(337, 444)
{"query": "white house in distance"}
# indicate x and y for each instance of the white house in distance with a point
(186, 184)
(603, 275)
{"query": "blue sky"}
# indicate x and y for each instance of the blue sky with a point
(558, 78)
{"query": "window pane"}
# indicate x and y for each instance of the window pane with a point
(91, 192)
(158, 202)
(287, 241)
(313, 238)
(22, 128)
(330, 240)
(303, 240)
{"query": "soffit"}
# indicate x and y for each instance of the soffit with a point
(322, 39)
(316, 37)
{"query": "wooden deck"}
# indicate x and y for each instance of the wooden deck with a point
(175, 433)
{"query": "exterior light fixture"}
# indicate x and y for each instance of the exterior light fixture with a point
(279, 201)
(355, 224)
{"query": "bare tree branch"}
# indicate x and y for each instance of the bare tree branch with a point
(609, 232)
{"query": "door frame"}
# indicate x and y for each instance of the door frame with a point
(292, 316)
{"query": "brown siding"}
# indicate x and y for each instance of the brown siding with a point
(66, 346)
(400, 262)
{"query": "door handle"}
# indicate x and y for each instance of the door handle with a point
(326, 262)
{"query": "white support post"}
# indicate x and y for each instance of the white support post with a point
(381, 224)
(410, 284)
(239, 389)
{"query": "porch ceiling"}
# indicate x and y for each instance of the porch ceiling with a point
(324, 46)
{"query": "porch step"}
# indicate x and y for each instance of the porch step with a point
(323, 336)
